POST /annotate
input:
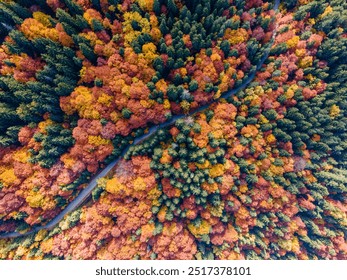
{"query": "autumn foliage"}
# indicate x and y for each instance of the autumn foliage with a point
(260, 174)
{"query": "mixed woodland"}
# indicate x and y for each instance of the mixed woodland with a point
(259, 174)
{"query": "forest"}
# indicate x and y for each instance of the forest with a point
(245, 108)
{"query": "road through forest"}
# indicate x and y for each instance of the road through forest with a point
(86, 192)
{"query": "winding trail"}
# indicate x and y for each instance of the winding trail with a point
(85, 193)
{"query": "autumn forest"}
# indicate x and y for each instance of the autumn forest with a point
(173, 129)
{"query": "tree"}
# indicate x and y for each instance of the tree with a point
(88, 52)
(73, 7)
(156, 7)
(171, 5)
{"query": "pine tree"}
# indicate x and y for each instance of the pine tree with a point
(172, 7)
(73, 7)
(156, 7)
